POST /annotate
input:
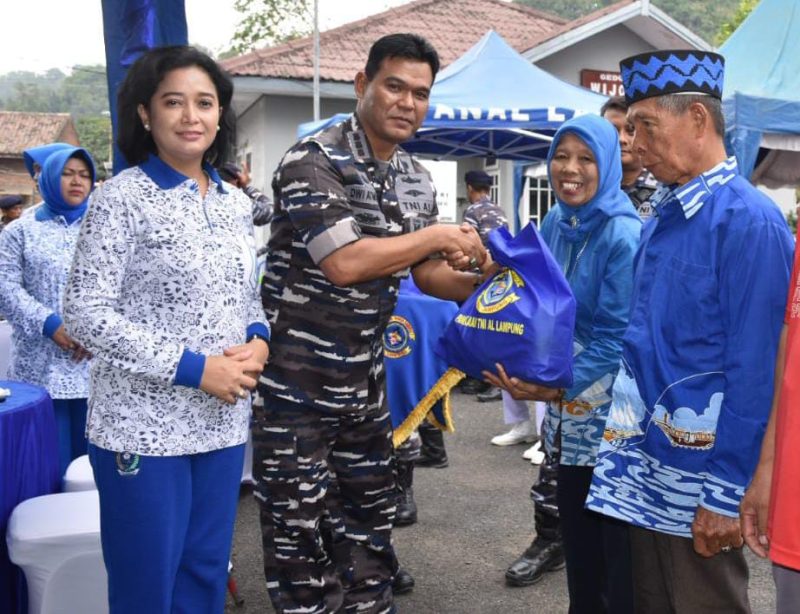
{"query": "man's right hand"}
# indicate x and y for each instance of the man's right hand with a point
(462, 247)
(754, 510)
(227, 377)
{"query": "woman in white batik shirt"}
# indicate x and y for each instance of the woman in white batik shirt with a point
(163, 293)
(36, 254)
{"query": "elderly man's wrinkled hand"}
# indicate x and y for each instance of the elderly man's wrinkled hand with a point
(714, 533)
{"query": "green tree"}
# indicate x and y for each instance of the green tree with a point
(83, 93)
(95, 135)
(9, 82)
(729, 27)
(267, 22)
(702, 17)
(568, 9)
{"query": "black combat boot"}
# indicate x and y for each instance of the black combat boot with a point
(433, 453)
(406, 506)
(541, 556)
(470, 385)
(403, 582)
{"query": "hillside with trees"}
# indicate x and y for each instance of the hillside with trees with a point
(83, 93)
(702, 17)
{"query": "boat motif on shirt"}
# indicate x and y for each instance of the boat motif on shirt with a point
(685, 428)
(627, 410)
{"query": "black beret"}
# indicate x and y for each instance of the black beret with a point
(12, 200)
(478, 178)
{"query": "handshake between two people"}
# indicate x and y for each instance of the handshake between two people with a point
(465, 250)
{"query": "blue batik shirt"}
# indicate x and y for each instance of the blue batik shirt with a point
(692, 398)
(162, 278)
(35, 255)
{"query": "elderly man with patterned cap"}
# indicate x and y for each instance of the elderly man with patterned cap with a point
(10, 209)
(692, 397)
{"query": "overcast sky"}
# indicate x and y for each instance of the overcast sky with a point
(42, 34)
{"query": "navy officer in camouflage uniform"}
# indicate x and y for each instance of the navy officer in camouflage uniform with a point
(353, 215)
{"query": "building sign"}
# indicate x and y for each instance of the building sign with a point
(602, 82)
(445, 178)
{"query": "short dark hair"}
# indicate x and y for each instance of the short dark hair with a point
(678, 104)
(403, 45)
(141, 83)
(615, 103)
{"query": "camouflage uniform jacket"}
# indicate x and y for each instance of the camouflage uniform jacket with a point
(327, 346)
(641, 191)
(484, 216)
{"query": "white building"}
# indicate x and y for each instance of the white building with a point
(273, 86)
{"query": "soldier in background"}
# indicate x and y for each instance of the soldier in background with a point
(353, 215)
(482, 214)
(10, 209)
(637, 182)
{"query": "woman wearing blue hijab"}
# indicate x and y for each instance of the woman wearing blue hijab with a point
(37, 253)
(593, 233)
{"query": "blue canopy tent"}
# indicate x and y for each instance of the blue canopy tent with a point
(492, 102)
(762, 93)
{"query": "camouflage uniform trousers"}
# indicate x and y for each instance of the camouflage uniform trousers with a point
(543, 495)
(326, 488)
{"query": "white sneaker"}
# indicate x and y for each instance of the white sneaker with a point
(529, 452)
(537, 458)
(521, 432)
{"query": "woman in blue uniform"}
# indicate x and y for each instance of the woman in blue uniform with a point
(593, 233)
(163, 293)
(37, 251)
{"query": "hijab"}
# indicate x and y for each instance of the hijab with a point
(39, 155)
(50, 184)
(575, 223)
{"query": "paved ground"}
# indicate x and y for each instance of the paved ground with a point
(475, 518)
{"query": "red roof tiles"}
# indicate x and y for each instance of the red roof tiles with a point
(19, 131)
(453, 26)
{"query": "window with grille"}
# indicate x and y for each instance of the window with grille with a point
(540, 199)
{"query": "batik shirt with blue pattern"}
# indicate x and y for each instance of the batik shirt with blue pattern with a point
(692, 398)
(35, 256)
(162, 278)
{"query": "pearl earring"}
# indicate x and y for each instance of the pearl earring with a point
(147, 127)
(217, 127)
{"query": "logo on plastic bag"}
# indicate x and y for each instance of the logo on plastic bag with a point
(398, 337)
(500, 293)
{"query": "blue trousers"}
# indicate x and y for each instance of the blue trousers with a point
(166, 526)
(71, 425)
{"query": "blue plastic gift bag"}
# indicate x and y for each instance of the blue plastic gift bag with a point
(523, 317)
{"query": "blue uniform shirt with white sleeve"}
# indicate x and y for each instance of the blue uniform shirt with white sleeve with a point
(692, 398)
